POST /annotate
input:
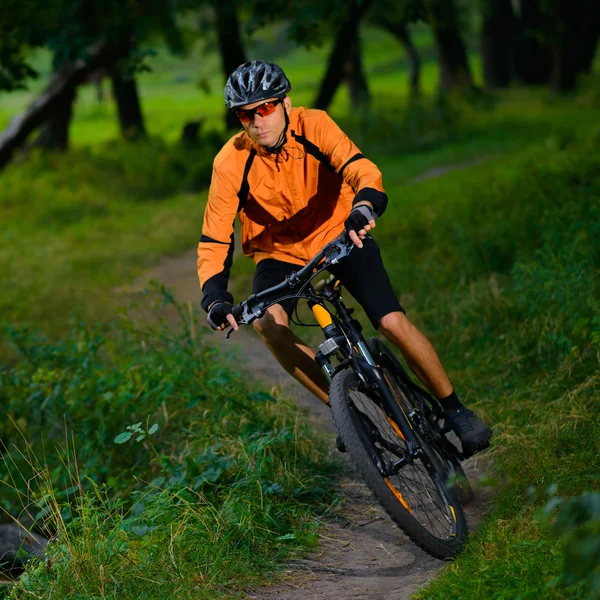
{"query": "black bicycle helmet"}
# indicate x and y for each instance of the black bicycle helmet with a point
(254, 81)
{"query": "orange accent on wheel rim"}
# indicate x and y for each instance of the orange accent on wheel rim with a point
(398, 495)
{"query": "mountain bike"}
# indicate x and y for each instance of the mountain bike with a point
(393, 430)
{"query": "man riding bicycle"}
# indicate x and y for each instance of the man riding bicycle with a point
(296, 181)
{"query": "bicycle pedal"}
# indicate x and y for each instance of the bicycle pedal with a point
(469, 451)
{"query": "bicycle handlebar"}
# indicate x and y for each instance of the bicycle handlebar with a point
(253, 307)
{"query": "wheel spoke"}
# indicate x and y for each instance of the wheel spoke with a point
(415, 486)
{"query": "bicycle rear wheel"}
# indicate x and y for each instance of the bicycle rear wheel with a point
(413, 491)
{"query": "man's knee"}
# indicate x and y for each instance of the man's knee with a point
(273, 325)
(396, 325)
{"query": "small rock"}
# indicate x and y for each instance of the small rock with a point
(17, 546)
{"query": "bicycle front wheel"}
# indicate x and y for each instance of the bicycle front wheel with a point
(413, 490)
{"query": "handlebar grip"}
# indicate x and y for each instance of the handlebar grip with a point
(237, 311)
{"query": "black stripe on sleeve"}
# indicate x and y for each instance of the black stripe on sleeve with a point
(215, 288)
(245, 187)
(357, 156)
(313, 151)
(206, 239)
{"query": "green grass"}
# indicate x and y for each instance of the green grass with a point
(499, 265)
(497, 261)
(217, 485)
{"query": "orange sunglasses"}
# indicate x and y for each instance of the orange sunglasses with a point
(264, 109)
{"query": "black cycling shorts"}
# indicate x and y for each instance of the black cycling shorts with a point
(362, 274)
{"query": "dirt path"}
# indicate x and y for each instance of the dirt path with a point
(362, 555)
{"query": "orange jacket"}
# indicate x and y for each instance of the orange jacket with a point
(289, 204)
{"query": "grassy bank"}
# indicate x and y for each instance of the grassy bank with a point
(156, 466)
(496, 260)
(500, 265)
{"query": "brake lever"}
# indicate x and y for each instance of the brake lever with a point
(231, 330)
(340, 248)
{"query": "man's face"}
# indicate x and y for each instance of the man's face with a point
(267, 130)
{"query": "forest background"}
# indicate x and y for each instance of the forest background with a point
(111, 114)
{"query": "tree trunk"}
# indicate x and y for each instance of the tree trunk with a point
(54, 134)
(400, 31)
(451, 51)
(533, 60)
(231, 47)
(589, 42)
(340, 51)
(61, 85)
(566, 50)
(355, 78)
(497, 42)
(126, 96)
(576, 22)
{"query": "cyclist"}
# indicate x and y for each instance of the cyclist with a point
(296, 181)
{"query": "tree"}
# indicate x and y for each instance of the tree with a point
(86, 35)
(397, 25)
(54, 133)
(52, 100)
(126, 96)
(309, 23)
(589, 39)
(346, 37)
(557, 41)
(498, 30)
(566, 44)
(573, 37)
(451, 50)
(354, 75)
(231, 45)
(533, 60)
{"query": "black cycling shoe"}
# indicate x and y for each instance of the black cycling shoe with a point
(474, 434)
(339, 444)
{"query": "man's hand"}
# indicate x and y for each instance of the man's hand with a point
(360, 220)
(219, 316)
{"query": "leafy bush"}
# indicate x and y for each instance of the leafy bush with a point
(501, 263)
(139, 172)
(217, 469)
(578, 522)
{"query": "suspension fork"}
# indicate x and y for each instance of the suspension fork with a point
(335, 338)
(376, 379)
(364, 364)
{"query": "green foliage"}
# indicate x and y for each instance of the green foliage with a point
(217, 473)
(502, 262)
(59, 212)
(497, 262)
(70, 29)
(578, 521)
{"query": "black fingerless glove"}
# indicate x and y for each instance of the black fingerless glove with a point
(359, 217)
(217, 314)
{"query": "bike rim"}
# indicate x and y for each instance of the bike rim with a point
(417, 486)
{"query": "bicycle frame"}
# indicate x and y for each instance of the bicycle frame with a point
(355, 353)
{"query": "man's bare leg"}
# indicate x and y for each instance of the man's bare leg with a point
(424, 361)
(291, 352)
(418, 352)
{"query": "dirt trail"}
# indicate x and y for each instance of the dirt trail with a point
(362, 555)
